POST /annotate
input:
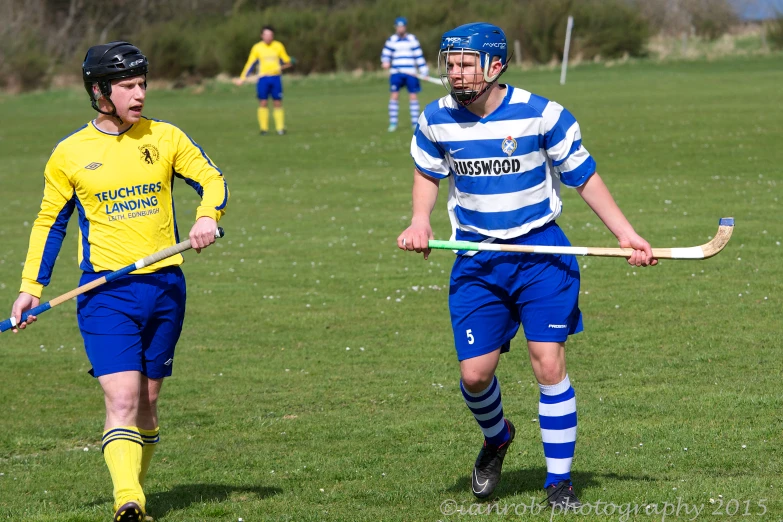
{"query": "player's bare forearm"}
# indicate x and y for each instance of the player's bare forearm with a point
(597, 196)
(416, 237)
(425, 195)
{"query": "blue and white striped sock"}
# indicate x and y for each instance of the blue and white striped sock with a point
(393, 110)
(487, 408)
(414, 108)
(557, 418)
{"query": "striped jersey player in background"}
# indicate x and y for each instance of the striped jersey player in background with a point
(403, 58)
(506, 153)
(269, 57)
(117, 172)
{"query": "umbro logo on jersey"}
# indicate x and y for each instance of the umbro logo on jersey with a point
(93, 166)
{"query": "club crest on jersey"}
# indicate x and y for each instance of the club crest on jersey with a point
(509, 145)
(149, 154)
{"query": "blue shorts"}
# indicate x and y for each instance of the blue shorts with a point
(491, 293)
(397, 81)
(270, 86)
(133, 323)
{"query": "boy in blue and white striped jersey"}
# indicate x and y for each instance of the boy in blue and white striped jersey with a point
(506, 153)
(403, 58)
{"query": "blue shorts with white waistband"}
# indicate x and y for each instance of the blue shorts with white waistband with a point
(492, 293)
(133, 323)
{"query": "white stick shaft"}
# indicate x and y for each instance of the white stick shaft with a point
(430, 79)
(660, 253)
(707, 250)
(425, 78)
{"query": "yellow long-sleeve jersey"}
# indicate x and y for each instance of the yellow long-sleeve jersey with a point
(268, 57)
(121, 187)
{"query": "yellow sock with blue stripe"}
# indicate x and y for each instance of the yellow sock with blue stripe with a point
(263, 118)
(150, 439)
(279, 117)
(122, 449)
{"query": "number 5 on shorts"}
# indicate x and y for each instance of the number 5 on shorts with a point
(471, 340)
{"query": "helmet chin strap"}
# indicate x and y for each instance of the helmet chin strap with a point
(112, 114)
(106, 96)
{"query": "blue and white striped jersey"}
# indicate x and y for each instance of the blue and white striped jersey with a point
(405, 55)
(504, 170)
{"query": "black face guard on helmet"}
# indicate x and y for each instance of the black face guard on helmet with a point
(112, 61)
(467, 96)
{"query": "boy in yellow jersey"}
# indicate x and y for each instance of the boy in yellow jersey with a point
(118, 173)
(271, 58)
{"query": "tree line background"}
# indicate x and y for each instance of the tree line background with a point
(41, 39)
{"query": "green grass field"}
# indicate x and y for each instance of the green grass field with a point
(316, 377)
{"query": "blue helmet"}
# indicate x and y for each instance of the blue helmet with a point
(400, 20)
(487, 41)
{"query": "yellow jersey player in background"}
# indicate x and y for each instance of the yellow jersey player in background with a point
(271, 58)
(118, 173)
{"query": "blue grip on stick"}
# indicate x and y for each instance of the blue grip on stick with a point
(119, 273)
(7, 325)
(35, 311)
